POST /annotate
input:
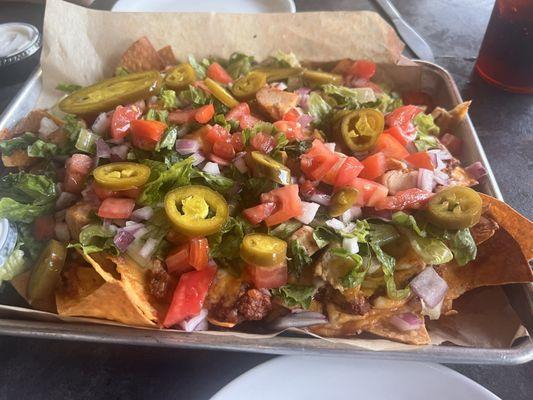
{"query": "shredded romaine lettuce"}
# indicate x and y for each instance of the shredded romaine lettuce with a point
(318, 108)
(293, 296)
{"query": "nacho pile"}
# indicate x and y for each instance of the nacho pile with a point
(254, 196)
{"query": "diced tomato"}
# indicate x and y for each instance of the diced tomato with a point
(145, 134)
(241, 114)
(256, 215)
(219, 160)
(411, 198)
(291, 115)
(217, 133)
(288, 204)
(198, 253)
(363, 69)
(308, 188)
(219, 74)
(112, 208)
(291, 129)
(374, 166)
(238, 111)
(77, 168)
(331, 175)
(204, 114)
(397, 133)
(402, 117)
(420, 160)
(121, 119)
(418, 98)
(43, 227)
(182, 116)
(189, 295)
(317, 161)
(268, 277)
(263, 142)
(369, 191)
(390, 147)
(224, 149)
(351, 168)
(237, 141)
(130, 193)
(452, 143)
(247, 121)
(178, 260)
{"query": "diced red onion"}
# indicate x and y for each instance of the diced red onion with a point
(187, 146)
(47, 127)
(425, 180)
(142, 214)
(192, 323)
(120, 152)
(198, 159)
(65, 199)
(309, 211)
(476, 170)
(61, 232)
(102, 149)
(305, 119)
(303, 92)
(406, 321)
(335, 224)
(440, 177)
(351, 245)
(101, 124)
(299, 320)
(211, 168)
(240, 164)
(429, 286)
(441, 154)
(123, 239)
(330, 146)
(148, 248)
(321, 198)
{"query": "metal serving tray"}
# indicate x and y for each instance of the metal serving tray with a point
(432, 79)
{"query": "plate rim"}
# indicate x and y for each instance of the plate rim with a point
(290, 3)
(441, 369)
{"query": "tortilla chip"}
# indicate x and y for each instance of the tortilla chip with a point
(141, 56)
(167, 56)
(375, 322)
(501, 259)
(119, 295)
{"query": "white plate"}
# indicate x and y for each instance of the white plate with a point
(322, 378)
(228, 6)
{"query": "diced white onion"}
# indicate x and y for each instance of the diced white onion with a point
(192, 323)
(211, 168)
(351, 245)
(198, 159)
(148, 248)
(309, 211)
(47, 127)
(321, 198)
(335, 224)
(351, 214)
(240, 164)
(330, 146)
(142, 214)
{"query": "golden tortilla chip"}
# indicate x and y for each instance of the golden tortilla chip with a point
(113, 289)
(141, 56)
(376, 322)
(502, 259)
(167, 56)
